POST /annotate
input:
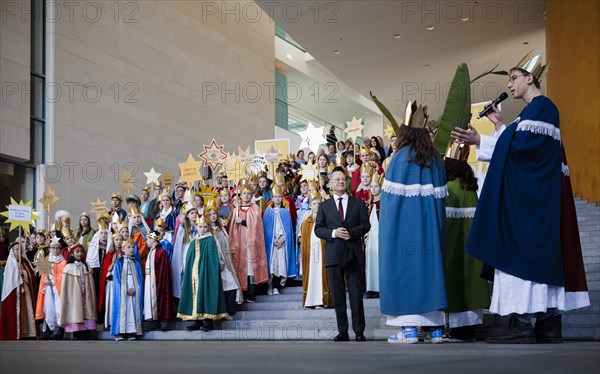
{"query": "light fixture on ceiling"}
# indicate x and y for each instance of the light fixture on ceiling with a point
(464, 19)
(336, 52)
(397, 36)
(525, 43)
(289, 56)
(427, 66)
(430, 28)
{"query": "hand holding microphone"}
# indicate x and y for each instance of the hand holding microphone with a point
(490, 107)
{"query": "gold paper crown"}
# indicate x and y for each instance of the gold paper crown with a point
(415, 116)
(157, 184)
(211, 204)
(278, 190)
(159, 222)
(364, 150)
(533, 65)
(291, 157)
(367, 168)
(254, 179)
(134, 210)
(262, 174)
(66, 231)
(116, 195)
(314, 193)
(127, 242)
(187, 206)
(116, 218)
(279, 179)
(84, 214)
(153, 235)
(117, 235)
(146, 188)
(165, 193)
(340, 160)
(103, 221)
(122, 225)
(225, 191)
(330, 168)
(378, 178)
(457, 151)
(244, 186)
(41, 232)
(202, 219)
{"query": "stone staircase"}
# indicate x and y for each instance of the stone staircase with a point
(281, 317)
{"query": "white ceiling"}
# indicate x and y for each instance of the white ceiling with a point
(371, 59)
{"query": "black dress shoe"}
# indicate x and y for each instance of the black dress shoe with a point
(517, 332)
(341, 338)
(360, 338)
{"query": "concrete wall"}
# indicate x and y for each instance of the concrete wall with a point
(15, 31)
(148, 79)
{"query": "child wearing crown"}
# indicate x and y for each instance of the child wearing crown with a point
(128, 296)
(247, 240)
(279, 242)
(105, 290)
(202, 298)
(158, 286)
(372, 239)
(363, 191)
(48, 301)
(78, 297)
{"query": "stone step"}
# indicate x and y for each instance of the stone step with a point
(292, 304)
(581, 319)
(299, 314)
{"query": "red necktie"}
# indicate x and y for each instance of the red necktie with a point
(340, 209)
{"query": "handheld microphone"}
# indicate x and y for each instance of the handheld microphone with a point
(488, 108)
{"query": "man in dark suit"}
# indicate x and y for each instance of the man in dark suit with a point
(341, 222)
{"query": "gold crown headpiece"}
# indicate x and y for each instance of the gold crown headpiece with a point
(116, 195)
(202, 219)
(415, 116)
(134, 210)
(314, 193)
(165, 193)
(367, 168)
(364, 150)
(159, 222)
(154, 235)
(278, 190)
(340, 160)
(378, 178)
(66, 231)
(146, 188)
(117, 235)
(457, 151)
(103, 221)
(533, 65)
(254, 179)
(291, 157)
(330, 168)
(127, 242)
(244, 186)
(84, 214)
(41, 232)
(225, 191)
(279, 179)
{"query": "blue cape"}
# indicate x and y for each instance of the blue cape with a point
(116, 302)
(269, 225)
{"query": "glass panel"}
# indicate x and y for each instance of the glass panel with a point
(37, 142)
(37, 97)
(37, 36)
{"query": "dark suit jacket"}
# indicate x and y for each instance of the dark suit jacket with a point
(356, 222)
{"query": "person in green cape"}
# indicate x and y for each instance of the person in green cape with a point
(202, 299)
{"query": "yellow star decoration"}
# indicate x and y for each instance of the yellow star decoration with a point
(126, 181)
(152, 176)
(167, 179)
(99, 207)
(207, 194)
(26, 211)
(43, 266)
(49, 198)
(190, 170)
(354, 129)
(309, 172)
(389, 131)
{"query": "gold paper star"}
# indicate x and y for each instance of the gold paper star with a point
(152, 176)
(49, 198)
(389, 132)
(20, 215)
(213, 154)
(167, 179)
(99, 207)
(126, 181)
(190, 170)
(309, 172)
(354, 129)
(43, 266)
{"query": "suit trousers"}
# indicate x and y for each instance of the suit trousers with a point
(337, 275)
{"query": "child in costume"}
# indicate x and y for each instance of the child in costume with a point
(128, 296)
(202, 298)
(48, 301)
(158, 286)
(105, 293)
(78, 311)
(372, 239)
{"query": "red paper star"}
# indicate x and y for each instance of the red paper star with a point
(213, 154)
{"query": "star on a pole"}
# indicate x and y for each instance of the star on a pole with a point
(99, 207)
(389, 132)
(20, 215)
(354, 129)
(213, 154)
(152, 176)
(190, 170)
(126, 181)
(309, 172)
(312, 137)
(49, 198)
(167, 179)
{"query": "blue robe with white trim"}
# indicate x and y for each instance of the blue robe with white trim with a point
(516, 227)
(412, 237)
(119, 315)
(290, 249)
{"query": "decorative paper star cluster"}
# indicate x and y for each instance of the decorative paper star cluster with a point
(354, 129)
(99, 207)
(19, 223)
(213, 154)
(312, 137)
